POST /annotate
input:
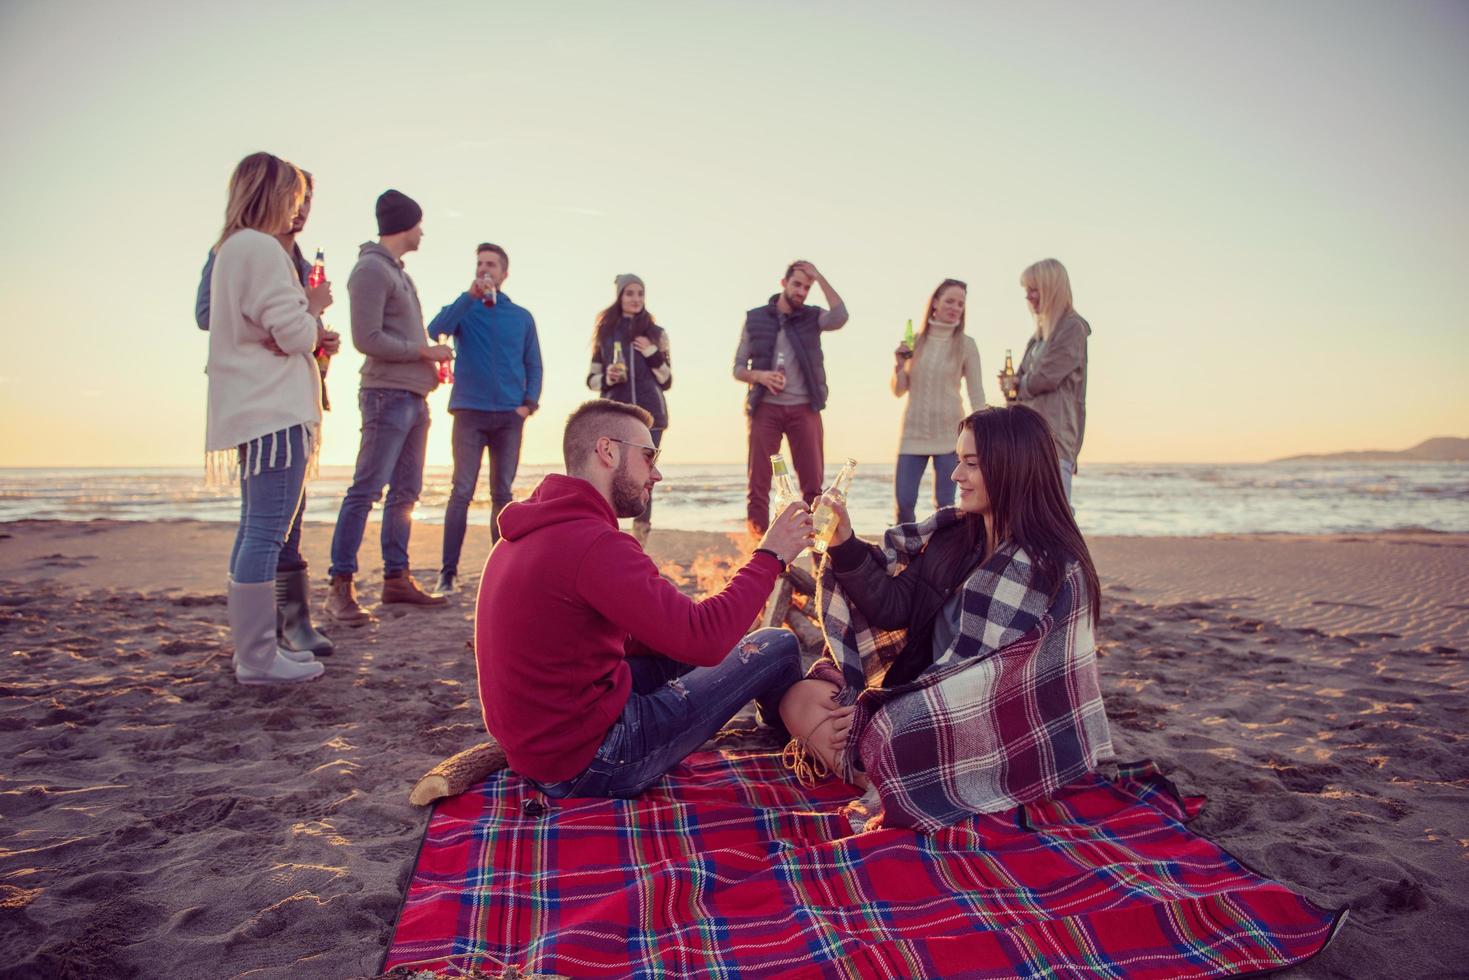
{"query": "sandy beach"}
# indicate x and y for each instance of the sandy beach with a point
(158, 820)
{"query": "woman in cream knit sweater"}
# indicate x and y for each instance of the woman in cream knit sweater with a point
(264, 401)
(929, 375)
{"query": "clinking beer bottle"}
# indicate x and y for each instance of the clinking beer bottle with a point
(783, 484)
(825, 518)
(1006, 376)
(317, 275)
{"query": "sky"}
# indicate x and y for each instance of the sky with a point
(1262, 206)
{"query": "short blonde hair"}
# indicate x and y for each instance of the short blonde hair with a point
(264, 194)
(1048, 277)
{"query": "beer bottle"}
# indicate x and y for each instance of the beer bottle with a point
(825, 518)
(783, 484)
(908, 334)
(1007, 383)
(780, 363)
(317, 276)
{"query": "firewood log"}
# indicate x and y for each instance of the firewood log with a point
(801, 580)
(778, 603)
(457, 773)
(806, 631)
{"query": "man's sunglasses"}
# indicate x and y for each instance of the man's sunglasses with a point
(652, 460)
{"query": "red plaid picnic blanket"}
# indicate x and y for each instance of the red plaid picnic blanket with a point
(729, 868)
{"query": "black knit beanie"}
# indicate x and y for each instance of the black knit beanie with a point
(397, 212)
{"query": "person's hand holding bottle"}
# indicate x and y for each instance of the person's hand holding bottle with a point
(790, 533)
(318, 298)
(841, 522)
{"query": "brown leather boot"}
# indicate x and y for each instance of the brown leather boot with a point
(341, 603)
(403, 588)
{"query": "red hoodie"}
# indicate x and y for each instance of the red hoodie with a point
(563, 593)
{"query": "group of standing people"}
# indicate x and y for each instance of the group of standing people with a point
(261, 301)
(780, 357)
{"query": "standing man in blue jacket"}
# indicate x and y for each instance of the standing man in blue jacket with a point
(497, 385)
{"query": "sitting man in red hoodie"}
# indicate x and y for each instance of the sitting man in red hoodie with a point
(571, 612)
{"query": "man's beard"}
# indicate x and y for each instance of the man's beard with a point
(627, 494)
(793, 302)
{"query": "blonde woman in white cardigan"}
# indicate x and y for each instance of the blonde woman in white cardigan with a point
(929, 374)
(264, 408)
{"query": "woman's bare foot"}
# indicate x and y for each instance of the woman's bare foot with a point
(810, 712)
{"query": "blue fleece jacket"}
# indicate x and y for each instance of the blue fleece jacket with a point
(497, 364)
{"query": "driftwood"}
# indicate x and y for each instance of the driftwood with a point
(778, 604)
(801, 580)
(457, 773)
(805, 629)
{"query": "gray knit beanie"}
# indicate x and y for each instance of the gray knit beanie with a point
(625, 280)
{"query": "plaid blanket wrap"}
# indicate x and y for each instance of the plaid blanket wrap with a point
(1009, 714)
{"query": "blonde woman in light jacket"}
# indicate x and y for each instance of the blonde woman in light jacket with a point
(1052, 375)
(264, 408)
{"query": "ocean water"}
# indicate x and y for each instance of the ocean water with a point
(1134, 499)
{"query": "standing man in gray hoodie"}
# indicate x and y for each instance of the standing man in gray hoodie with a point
(400, 370)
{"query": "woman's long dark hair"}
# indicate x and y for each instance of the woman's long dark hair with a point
(608, 319)
(1028, 506)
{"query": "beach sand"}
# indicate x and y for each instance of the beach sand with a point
(158, 820)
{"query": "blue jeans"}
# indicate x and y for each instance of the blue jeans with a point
(474, 432)
(1068, 470)
(910, 475)
(291, 559)
(674, 709)
(270, 503)
(647, 517)
(394, 434)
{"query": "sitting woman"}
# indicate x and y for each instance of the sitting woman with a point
(975, 629)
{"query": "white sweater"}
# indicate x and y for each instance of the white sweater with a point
(255, 296)
(933, 413)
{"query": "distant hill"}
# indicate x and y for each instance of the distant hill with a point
(1444, 449)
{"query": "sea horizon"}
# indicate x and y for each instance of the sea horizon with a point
(1145, 499)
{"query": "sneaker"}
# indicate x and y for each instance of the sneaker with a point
(403, 588)
(342, 605)
(446, 584)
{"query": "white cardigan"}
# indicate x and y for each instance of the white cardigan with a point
(255, 295)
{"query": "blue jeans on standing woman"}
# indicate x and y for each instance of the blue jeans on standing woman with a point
(647, 515)
(674, 708)
(475, 432)
(394, 437)
(910, 476)
(271, 501)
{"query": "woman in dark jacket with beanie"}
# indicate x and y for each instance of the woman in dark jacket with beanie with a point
(631, 363)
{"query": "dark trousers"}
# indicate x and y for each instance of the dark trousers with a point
(475, 432)
(801, 424)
